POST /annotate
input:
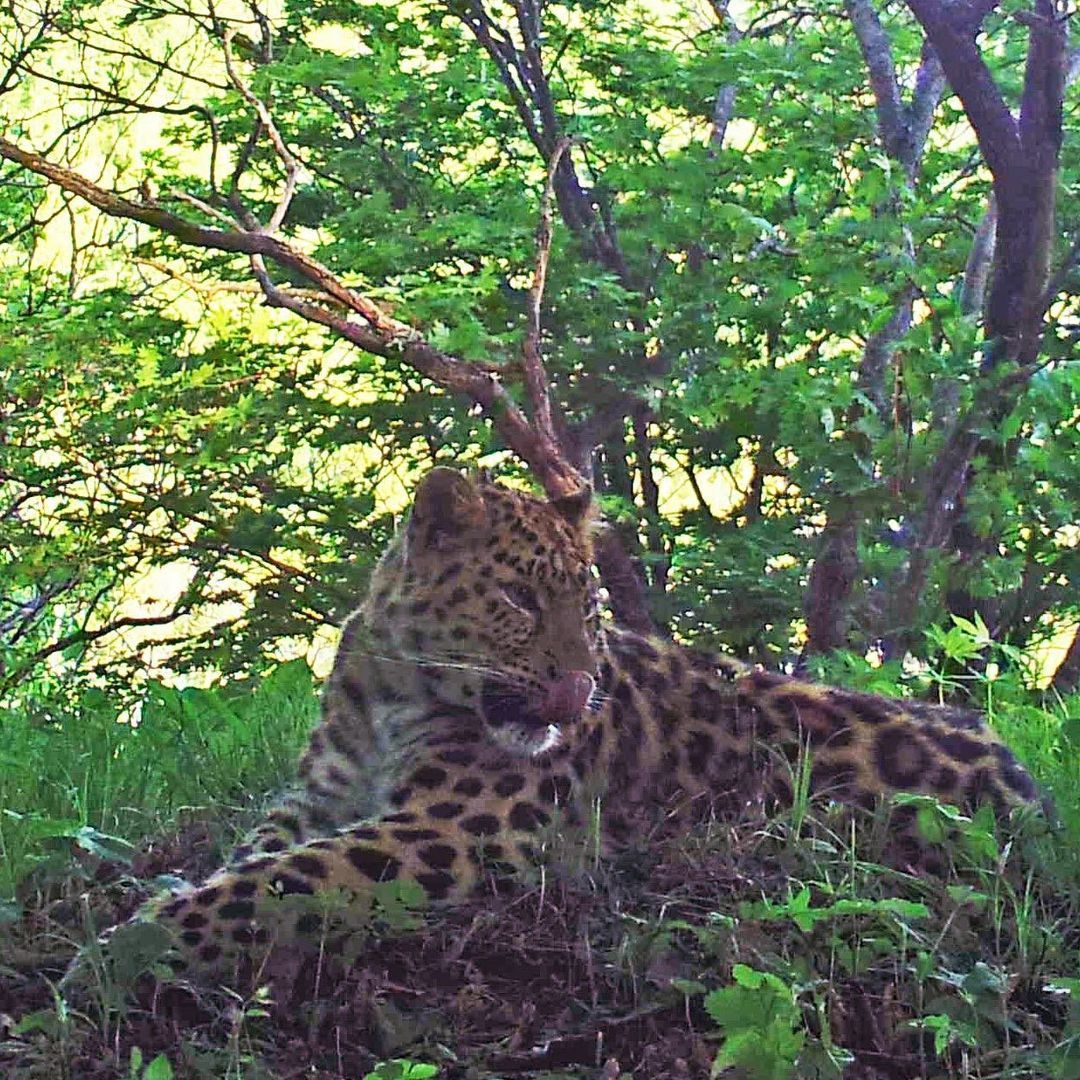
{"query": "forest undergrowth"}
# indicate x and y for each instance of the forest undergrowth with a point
(771, 947)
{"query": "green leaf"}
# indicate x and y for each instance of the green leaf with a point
(158, 1069)
(759, 1018)
(43, 1020)
(112, 848)
(401, 1069)
(147, 361)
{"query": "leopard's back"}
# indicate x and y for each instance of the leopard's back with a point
(719, 728)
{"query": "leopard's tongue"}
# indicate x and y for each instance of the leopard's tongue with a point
(567, 697)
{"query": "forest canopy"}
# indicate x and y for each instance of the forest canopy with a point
(794, 290)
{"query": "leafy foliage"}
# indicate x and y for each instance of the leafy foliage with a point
(759, 1018)
(155, 416)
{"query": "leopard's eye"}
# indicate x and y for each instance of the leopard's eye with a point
(521, 596)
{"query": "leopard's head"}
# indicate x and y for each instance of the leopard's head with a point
(489, 596)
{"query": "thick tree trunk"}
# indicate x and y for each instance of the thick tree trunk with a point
(1022, 155)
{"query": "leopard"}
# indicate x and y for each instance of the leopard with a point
(482, 702)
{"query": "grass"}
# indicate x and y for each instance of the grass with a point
(76, 781)
(776, 947)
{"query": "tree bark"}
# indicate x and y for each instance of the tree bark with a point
(724, 101)
(627, 598)
(1022, 155)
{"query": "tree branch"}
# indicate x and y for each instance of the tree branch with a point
(929, 86)
(878, 56)
(536, 377)
(379, 333)
(266, 122)
(724, 101)
(626, 590)
(951, 29)
(188, 232)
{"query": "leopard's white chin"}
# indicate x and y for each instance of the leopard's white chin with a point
(528, 742)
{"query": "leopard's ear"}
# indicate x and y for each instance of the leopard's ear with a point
(575, 508)
(447, 505)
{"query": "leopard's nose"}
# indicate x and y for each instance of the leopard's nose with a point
(567, 697)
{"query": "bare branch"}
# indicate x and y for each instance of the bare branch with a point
(27, 613)
(84, 636)
(625, 588)
(1018, 314)
(606, 418)
(202, 206)
(724, 102)
(211, 288)
(246, 243)
(379, 333)
(266, 121)
(536, 378)
(903, 129)
(1022, 157)
(879, 350)
(535, 448)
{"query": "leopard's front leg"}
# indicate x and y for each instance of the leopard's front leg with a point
(441, 840)
(247, 904)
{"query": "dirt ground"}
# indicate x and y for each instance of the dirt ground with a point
(586, 975)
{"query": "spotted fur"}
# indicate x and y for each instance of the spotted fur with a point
(477, 700)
